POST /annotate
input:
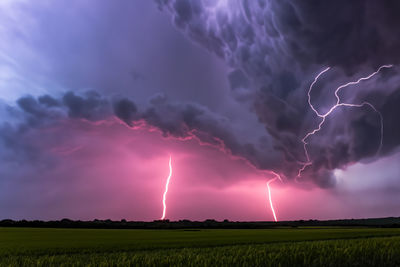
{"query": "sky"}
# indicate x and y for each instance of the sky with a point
(96, 96)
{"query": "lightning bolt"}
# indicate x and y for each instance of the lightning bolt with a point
(338, 104)
(166, 189)
(277, 177)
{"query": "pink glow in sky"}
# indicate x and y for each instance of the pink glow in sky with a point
(111, 171)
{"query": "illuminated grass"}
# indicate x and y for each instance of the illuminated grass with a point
(273, 247)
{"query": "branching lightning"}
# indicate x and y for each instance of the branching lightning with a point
(338, 104)
(323, 117)
(166, 189)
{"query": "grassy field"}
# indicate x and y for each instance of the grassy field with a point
(269, 247)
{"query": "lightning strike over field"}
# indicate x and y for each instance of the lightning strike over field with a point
(277, 177)
(166, 189)
(338, 104)
(270, 199)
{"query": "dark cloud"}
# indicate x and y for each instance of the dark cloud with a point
(178, 120)
(48, 101)
(390, 110)
(125, 109)
(18, 142)
(258, 33)
(34, 111)
(30, 106)
(189, 120)
(278, 47)
(91, 106)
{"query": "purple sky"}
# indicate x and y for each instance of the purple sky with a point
(95, 97)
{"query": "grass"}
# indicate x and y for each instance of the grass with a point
(269, 247)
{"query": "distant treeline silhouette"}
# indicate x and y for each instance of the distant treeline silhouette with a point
(392, 222)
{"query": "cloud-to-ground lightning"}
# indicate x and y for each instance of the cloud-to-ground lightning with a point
(337, 104)
(270, 199)
(166, 189)
(277, 177)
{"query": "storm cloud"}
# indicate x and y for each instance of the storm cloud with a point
(277, 48)
(273, 50)
(178, 120)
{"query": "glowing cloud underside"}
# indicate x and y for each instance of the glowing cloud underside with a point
(337, 104)
(166, 189)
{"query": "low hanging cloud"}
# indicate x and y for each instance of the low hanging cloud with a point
(192, 121)
(178, 120)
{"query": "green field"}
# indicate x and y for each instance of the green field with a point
(267, 247)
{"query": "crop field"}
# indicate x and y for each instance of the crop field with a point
(246, 247)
